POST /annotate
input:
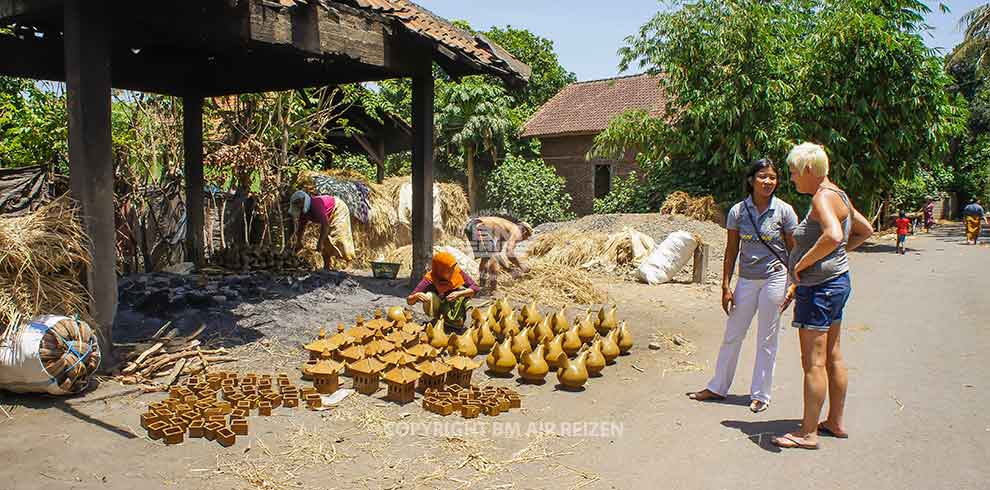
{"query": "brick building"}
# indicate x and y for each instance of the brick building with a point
(568, 123)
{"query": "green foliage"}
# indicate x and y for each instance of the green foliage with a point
(972, 177)
(911, 194)
(530, 190)
(626, 196)
(33, 125)
(749, 79)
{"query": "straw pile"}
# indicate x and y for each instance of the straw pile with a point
(42, 256)
(553, 285)
(567, 247)
(699, 208)
(383, 233)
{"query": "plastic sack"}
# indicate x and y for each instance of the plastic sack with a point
(25, 349)
(642, 244)
(667, 258)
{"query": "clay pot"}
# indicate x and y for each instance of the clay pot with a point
(501, 360)
(486, 339)
(625, 339)
(573, 374)
(543, 331)
(586, 328)
(520, 343)
(606, 320)
(510, 325)
(554, 351)
(462, 345)
(572, 341)
(502, 308)
(559, 322)
(609, 348)
(397, 314)
(531, 314)
(438, 337)
(595, 361)
(533, 366)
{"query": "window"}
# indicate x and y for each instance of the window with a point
(603, 180)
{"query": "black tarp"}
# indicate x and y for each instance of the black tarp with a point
(23, 189)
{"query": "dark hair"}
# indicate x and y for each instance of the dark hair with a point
(755, 168)
(901, 214)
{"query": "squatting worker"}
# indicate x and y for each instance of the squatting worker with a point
(974, 215)
(332, 215)
(820, 265)
(444, 291)
(493, 240)
(760, 233)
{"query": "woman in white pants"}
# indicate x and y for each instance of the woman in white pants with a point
(760, 231)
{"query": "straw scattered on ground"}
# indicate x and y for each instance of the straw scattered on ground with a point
(552, 285)
(42, 255)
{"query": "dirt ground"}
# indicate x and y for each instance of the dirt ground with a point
(916, 327)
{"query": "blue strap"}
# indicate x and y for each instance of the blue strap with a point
(79, 356)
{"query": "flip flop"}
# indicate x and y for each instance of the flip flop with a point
(761, 406)
(714, 396)
(790, 441)
(825, 431)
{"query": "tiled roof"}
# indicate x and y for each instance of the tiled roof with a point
(587, 107)
(475, 49)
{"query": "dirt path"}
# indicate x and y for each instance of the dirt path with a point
(915, 341)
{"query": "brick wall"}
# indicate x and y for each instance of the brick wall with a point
(567, 155)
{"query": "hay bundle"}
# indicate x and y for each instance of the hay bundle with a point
(626, 247)
(567, 247)
(42, 256)
(700, 208)
(553, 285)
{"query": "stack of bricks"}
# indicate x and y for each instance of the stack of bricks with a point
(216, 407)
(471, 401)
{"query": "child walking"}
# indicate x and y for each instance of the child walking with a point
(903, 228)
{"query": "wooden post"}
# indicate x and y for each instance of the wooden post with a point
(701, 254)
(380, 160)
(87, 73)
(422, 171)
(192, 138)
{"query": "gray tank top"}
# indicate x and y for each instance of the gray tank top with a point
(832, 265)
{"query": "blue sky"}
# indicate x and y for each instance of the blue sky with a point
(588, 33)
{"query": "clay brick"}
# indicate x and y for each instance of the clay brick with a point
(190, 399)
(470, 411)
(313, 400)
(226, 437)
(290, 401)
(155, 430)
(196, 428)
(173, 434)
(515, 401)
(147, 419)
(239, 426)
(210, 430)
(275, 399)
(264, 409)
(444, 408)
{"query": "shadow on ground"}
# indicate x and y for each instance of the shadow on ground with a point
(762, 433)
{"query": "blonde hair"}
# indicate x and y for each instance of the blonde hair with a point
(809, 157)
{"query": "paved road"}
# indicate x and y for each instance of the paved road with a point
(916, 339)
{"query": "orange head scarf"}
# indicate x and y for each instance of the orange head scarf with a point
(445, 275)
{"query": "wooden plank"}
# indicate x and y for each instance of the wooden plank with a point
(91, 179)
(192, 134)
(348, 33)
(701, 255)
(269, 25)
(306, 28)
(422, 170)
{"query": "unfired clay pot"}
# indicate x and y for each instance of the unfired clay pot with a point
(534, 367)
(573, 374)
(501, 360)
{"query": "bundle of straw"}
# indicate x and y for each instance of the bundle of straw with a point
(553, 285)
(42, 257)
(567, 247)
(700, 208)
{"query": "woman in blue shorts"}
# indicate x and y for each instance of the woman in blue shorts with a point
(820, 265)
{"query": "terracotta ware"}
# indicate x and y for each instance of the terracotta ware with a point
(290, 401)
(509, 325)
(554, 351)
(173, 435)
(606, 320)
(226, 437)
(609, 348)
(543, 331)
(586, 328)
(398, 358)
(486, 338)
(265, 408)
(573, 374)
(377, 347)
(625, 339)
(434, 373)
(530, 314)
(340, 328)
(423, 352)
(315, 348)
(239, 426)
(313, 400)
(462, 345)
(559, 322)
(210, 430)
(520, 344)
(351, 354)
(438, 336)
(501, 360)
(155, 430)
(365, 374)
(502, 308)
(397, 314)
(196, 428)
(401, 382)
(325, 374)
(533, 367)
(402, 339)
(461, 370)
(360, 334)
(595, 361)
(572, 341)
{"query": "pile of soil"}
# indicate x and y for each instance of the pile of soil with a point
(658, 226)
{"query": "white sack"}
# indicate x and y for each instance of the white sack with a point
(668, 258)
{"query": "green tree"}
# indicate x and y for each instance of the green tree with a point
(749, 79)
(473, 116)
(548, 76)
(530, 190)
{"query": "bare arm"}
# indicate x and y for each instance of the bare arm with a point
(860, 231)
(823, 211)
(789, 241)
(728, 266)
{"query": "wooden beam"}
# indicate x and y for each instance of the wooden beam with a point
(306, 28)
(192, 137)
(347, 32)
(422, 170)
(13, 9)
(87, 66)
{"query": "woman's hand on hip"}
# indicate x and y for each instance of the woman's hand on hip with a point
(789, 297)
(727, 300)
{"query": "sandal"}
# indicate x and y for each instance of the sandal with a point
(711, 395)
(757, 406)
(791, 441)
(825, 431)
